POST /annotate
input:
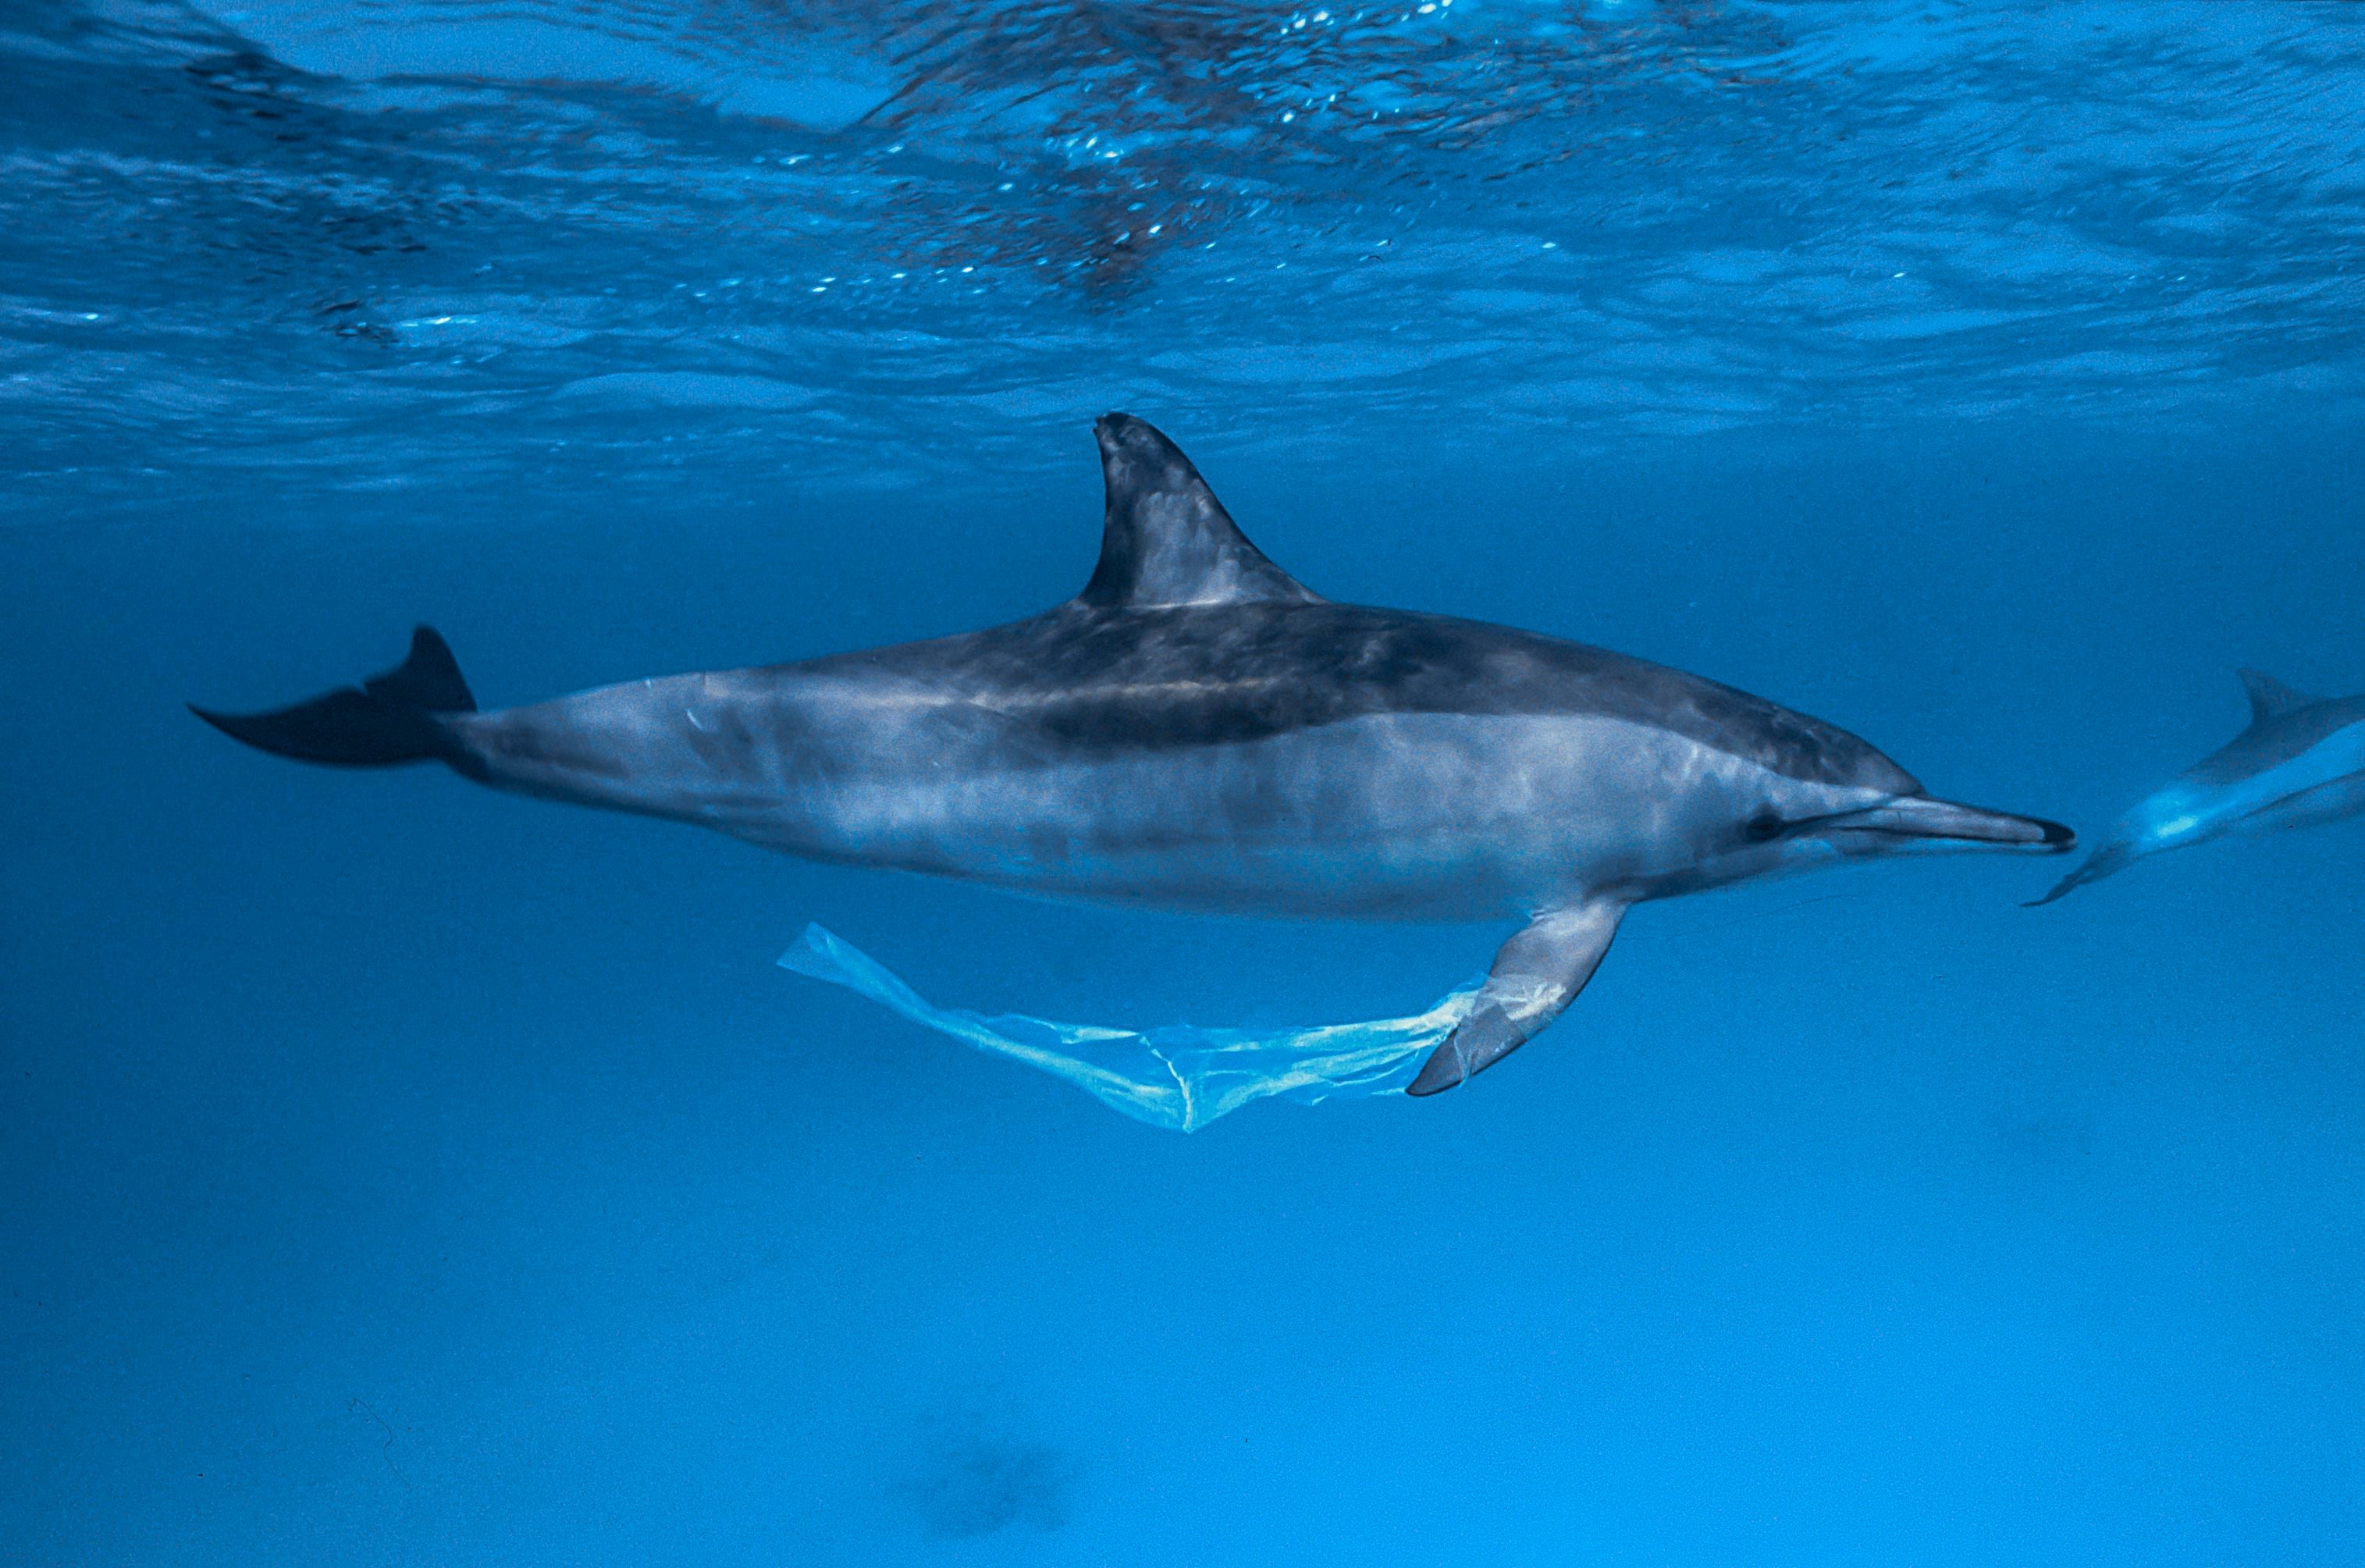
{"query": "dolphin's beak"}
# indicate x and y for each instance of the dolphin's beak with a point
(1917, 822)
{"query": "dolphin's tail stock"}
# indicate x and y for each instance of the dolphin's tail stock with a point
(387, 719)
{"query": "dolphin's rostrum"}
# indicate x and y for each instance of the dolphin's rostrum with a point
(1197, 729)
(2300, 762)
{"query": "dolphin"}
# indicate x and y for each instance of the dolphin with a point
(1197, 730)
(2301, 762)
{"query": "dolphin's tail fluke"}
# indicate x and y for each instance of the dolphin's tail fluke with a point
(2106, 861)
(391, 719)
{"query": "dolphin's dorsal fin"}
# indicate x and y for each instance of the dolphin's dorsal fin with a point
(2269, 697)
(1167, 540)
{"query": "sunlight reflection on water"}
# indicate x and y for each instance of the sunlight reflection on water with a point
(330, 239)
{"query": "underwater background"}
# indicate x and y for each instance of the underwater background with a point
(391, 1172)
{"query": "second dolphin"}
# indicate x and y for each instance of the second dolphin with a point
(2300, 762)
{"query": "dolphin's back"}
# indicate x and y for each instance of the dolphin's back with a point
(1091, 681)
(2274, 739)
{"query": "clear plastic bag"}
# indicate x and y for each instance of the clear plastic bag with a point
(1176, 1076)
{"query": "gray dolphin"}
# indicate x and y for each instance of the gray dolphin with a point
(2301, 762)
(1197, 730)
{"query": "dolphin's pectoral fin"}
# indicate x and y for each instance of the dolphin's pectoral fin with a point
(2269, 697)
(1536, 975)
(1484, 1038)
(1167, 541)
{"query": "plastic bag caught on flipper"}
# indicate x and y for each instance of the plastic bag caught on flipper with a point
(1176, 1076)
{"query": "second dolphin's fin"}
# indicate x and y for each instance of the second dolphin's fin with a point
(2269, 697)
(1536, 975)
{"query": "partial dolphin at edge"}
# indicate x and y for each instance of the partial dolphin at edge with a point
(2299, 762)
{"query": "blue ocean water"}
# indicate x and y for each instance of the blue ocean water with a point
(398, 1174)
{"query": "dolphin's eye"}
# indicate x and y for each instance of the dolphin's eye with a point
(1763, 827)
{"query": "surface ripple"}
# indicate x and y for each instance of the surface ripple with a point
(457, 242)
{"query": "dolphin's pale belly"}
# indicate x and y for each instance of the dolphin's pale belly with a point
(1401, 816)
(1440, 816)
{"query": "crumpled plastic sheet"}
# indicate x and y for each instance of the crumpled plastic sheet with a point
(1176, 1076)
